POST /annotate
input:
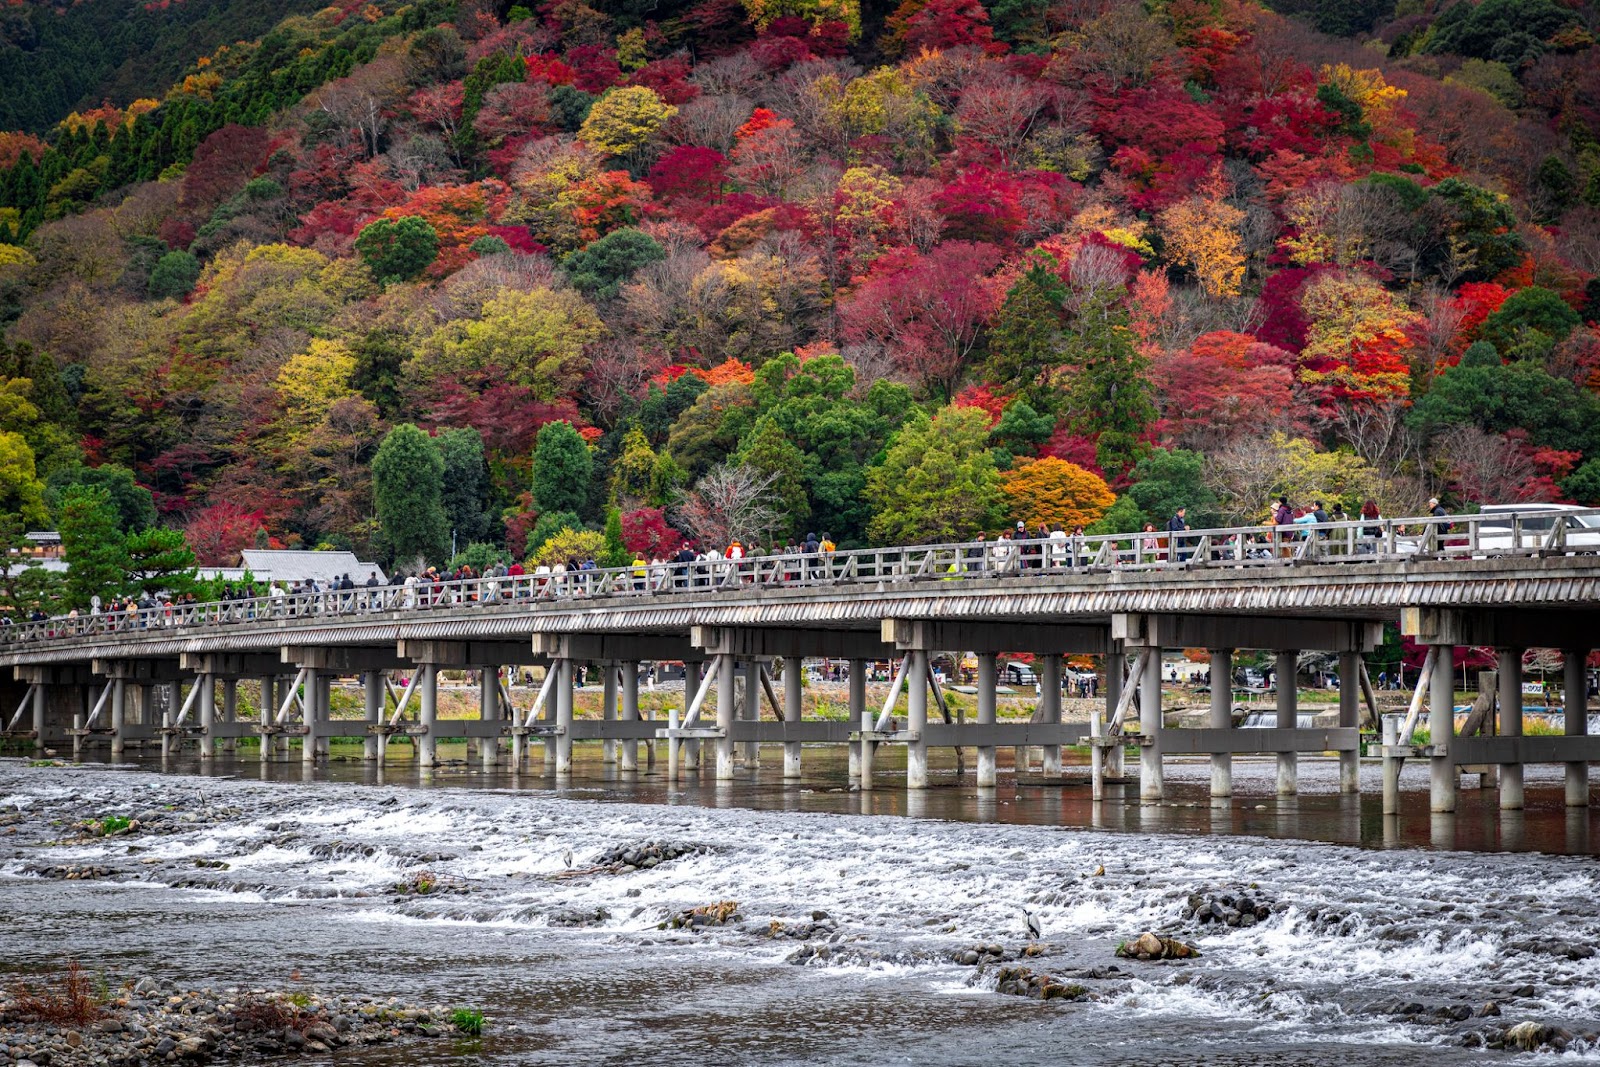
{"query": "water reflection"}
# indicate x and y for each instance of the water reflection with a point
(1319, 812)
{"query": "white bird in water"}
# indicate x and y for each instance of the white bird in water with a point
(566, 858)
(1034, 932)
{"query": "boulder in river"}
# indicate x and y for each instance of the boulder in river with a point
(719, 914)
(1149, 946)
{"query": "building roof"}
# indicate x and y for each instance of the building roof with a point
(296, 565)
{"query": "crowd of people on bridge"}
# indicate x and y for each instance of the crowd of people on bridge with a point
(1010, 552)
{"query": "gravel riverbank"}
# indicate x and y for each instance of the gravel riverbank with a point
(70, 1019)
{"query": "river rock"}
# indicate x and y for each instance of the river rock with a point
(1530, 1036)
(718, 914)
(645, 855)
(1229, 907)
(1149, 946)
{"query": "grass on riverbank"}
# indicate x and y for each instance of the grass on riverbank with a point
(69, 999)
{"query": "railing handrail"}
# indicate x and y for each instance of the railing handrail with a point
(1354, 540)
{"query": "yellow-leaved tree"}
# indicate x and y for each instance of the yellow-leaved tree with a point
(624, 120)
(1054, 491)
(1202, 233)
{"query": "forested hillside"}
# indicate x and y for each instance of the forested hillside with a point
(56, 58)
(572, 279)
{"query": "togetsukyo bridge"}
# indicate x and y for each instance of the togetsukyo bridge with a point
(1468, 580)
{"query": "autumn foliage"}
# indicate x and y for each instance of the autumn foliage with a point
(1056, 492)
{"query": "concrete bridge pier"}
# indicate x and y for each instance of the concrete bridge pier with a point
(1152, 783)
(269, 692)
(1350, 718)
(38, 699)
(491, 714)
(229, 744)
(727, 710)
(427, 738)
(858, 706)
(1442, 773)
(630, 713)
(207, 700)
(750, 711)
(917, 720)
(1116, 679)
(1286, 678)
(1050, 710)
(316, 716)
(692, 678)
(372, 702)
(608, 709)
(987, 675)
(566, 677)
(1220, 717)
(1576, 715)
(793, 694)
(1508, 667)
(119, 716)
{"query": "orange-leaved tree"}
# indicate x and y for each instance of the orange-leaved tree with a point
(1055, 491)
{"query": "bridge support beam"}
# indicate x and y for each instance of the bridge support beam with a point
(793, 693)
(1576, 715)
(727, 710)
(1050, 709)
(490, 711)
(750, 711)
(917, 720)
(372, 694)
(630, 712)
(1349, 717)
(264, 709)
(1116, 679)
(1286, 677)
(208, 713)
(858, 707)
(1442, 774)
(692, 677)
(1508, 668)
(230, 715)
(608, 709)
(37, 695)
(119, 716)
(1152, 784)
(987, 674)
(427, 741)
(317, 685)
(566, 675)
(1220, 717)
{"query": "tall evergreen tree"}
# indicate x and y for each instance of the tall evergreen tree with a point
(562, 469)
(1111, 390)
(466, 484)
(408, 487)
(1026, 342)
(94, 546)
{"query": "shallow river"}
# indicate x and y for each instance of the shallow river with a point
(1381, 929)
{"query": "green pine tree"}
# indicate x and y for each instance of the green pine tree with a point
(94, 546)
(408, 487)
(562, 469)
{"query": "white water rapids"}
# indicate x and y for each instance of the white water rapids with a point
(1368, 956)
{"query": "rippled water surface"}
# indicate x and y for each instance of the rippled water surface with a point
(1381, 928)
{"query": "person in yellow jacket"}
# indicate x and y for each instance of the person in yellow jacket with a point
(640, 570)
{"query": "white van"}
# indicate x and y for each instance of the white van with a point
(1528, 526)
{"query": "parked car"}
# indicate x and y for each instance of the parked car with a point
(1528, 526)
(1018, 674)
